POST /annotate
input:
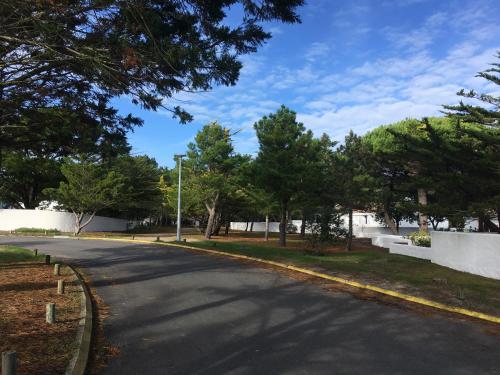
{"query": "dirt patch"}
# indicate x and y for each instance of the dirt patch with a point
(25, 289)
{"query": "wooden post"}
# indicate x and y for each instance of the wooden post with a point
(57, 269)
(133, 237)
(9, 363)
(157, 238)
(35, 252)
(266, 234)
(47, 259)
(50, 315)
(60, 286)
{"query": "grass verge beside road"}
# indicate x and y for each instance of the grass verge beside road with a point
(26, 286)
(407, 275)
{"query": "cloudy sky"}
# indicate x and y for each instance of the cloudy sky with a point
(349, 65)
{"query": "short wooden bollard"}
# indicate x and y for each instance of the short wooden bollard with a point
(60, 286)
(57, 269)
(133, 237)
(35, 252)
(47, 259)
(157, 238)
(9, 363)
(50, 314)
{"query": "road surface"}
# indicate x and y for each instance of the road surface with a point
(175, 312)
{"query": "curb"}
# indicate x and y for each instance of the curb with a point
(388, 292)
(80, 358)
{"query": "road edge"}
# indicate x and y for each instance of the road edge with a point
(79, 361)
(388, 292)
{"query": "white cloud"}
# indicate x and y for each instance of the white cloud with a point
(316, 51)
(389, 96)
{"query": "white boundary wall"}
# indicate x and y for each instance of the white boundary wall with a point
(364, 225)
(411, 250)
(386, 240)
(477, 253)
(11, 219)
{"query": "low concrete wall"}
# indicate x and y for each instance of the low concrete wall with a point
(11, 219)
(411, 250)
(477, 253)
(388, 239)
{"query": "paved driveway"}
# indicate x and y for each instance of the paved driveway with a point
(174, 312)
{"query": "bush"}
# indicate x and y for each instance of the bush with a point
(325, 227)
(420, 239)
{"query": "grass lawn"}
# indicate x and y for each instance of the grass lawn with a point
(405, 274)
(26, 286)
(10, 254)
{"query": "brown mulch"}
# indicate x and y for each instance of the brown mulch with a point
(25, 289)
(294, 242)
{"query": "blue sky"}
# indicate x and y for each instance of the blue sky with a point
(349, 65)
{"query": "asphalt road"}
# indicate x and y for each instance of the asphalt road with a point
(174, 312)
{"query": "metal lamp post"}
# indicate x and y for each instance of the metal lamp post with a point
(178, 238)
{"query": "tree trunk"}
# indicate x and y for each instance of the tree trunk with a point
(434, 223)
(210, 223)
(490, 225)
(266, 234)
(480, 224)
(389, 220)
(349, 235)
(79, 219)
(218, 226)
(283, 223)
(303, 225)
(498, 218)
(212, 211)
(228, 225)
(246, 226)
(422, 218)
(251, 226)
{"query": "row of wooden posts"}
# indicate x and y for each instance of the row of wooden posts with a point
(9, 358)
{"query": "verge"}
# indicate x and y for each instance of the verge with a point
(388, 292)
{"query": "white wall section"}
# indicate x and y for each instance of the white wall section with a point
(11, 219)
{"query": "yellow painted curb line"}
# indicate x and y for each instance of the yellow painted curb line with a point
(392, 293)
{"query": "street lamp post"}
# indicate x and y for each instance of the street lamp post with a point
(178, 238)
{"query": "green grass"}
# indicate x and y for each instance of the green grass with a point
(36, 231)
(9, 254)
(411, 275)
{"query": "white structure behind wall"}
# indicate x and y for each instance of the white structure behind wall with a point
(11, 219)
(364, 225)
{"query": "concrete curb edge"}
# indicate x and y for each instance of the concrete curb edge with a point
(392, 293)
(79, 361)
